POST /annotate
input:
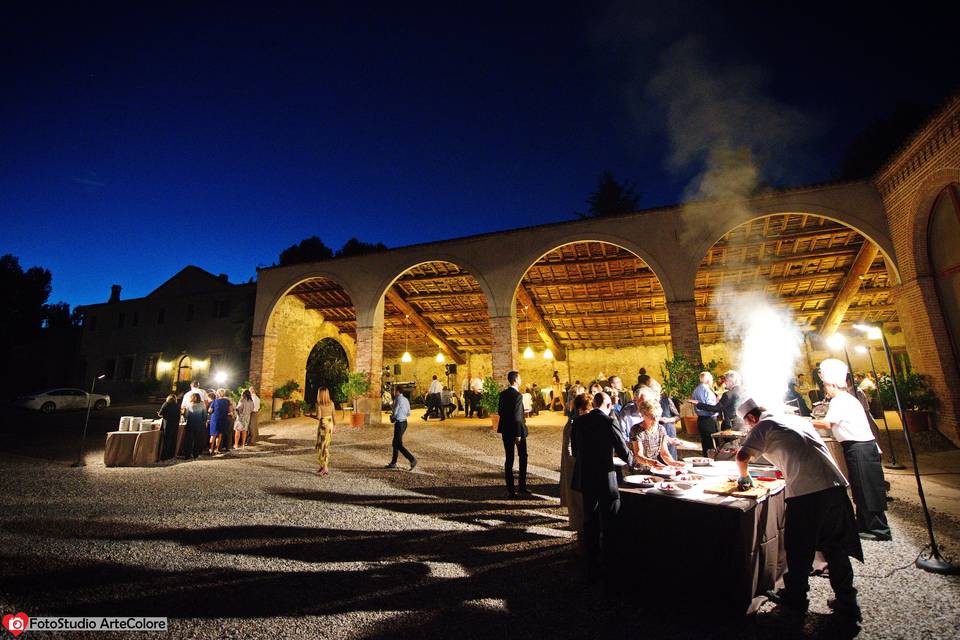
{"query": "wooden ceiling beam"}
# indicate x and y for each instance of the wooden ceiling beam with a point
(542, 328)
(394, 296)
(849, 288)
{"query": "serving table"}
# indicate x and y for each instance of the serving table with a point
(132, 448)
(721, 552)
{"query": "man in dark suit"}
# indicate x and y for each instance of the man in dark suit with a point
(595, 439)
(513, 429)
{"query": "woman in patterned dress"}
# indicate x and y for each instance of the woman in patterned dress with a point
(325, 428)
(648, 439)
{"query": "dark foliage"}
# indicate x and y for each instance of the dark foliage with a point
(611, 198)
(354, 247)
(310, 249)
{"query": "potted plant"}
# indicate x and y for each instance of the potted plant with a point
(916, 398)
(280, 397)
(489, 399)
(356, 386)
(680, 377)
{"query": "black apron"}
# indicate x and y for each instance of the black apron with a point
(866, 475)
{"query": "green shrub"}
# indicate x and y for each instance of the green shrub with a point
(914, 389)
(490, 395)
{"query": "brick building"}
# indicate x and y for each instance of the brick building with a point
(190, 327)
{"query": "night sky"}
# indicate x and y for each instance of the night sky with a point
(138, 140)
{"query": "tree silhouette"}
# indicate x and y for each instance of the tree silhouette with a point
(354, 247)
(611, 198)
(310, 249)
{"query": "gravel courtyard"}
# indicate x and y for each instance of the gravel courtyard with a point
(256, 544)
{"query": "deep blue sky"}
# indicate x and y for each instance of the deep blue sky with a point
(137, 140)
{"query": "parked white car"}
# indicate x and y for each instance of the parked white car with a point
(59, 399)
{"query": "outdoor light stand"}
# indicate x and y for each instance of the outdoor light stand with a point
(83, 438)
(932, 562)
(893, 464)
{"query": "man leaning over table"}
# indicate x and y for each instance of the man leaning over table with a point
(819, 516)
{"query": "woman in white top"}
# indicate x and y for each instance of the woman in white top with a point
(848, 420)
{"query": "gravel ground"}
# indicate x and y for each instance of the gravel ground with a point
(257, 543)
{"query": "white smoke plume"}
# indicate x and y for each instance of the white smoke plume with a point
(769, 343)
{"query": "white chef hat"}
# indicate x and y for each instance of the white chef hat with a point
(833, 371)
(746, 407)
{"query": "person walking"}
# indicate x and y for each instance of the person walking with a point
(325, 428)
(513, 429)
(170, 412)
(398, 416)
(195, 434)
(242, 424)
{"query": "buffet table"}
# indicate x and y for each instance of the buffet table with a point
(721, 553)
(132, 448)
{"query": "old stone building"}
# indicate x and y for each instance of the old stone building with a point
(192, 326)
(587, 299)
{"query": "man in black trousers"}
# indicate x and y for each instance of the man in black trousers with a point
(513, 429)
(595, 439)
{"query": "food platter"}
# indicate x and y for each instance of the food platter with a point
(699, 462)
(642, 481)
(673, 488)
(666, 472)
(689, 477)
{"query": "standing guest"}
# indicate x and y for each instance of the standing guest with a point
(527, 402)
(398, 416)
(476, 391)
(170, 412)
(228, 431)
(253, 433)
(706, 418)
(448, 403)
(595, 439)
(848, 420)
(642, 372)
(325, 428)
(648, 439)
(434, 406)
(556, 379)
(219, 417)
(537, 395)
(242, 425)
(571, 498)
(513, 429)
(467, 400)
(669, 416)
(617, 385)
(194, 388)
(728, 403)
(818, 515)
(195, 438)
(630, 414)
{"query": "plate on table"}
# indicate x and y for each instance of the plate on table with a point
(666, 472)
(673, 488)
(617, 462)
(644, 482)
(689, 477)
(699, 462)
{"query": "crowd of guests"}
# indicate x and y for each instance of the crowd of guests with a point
(213, 423)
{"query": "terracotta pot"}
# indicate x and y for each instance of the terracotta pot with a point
(690, 425)
(495, 419)
(918, 421)
(357, 419)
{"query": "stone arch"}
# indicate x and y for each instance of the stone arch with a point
(318, 373)
(921, 210)
(261, 322)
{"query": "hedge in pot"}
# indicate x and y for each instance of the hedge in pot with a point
(490, 398)
(356, 386)
(916, 397)
(281, 396)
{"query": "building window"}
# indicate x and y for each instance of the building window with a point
(161, 316)
(135, 320)
(126, 368)
(221, 308)
(121, 318)
(150, 363)
(189, 312)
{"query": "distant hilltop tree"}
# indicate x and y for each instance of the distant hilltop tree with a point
(611, 198)
(313, 249)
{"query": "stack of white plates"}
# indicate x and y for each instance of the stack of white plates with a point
(125, 423)
(136, 423)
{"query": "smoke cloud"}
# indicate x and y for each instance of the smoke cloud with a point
(769, 343)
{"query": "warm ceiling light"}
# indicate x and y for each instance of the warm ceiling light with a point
(860, 348)
(406, 357)
(528, 353)
(873, 333)
(836, 341)
(547, 354)
(440, 357)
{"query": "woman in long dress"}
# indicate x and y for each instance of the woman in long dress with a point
(569, 497)
(244, 411)
(325, 429)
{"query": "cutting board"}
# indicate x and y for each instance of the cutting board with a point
(759, 489)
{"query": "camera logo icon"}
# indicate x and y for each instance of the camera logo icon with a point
(16, 624)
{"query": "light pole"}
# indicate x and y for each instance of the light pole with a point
(893, 464)
(932, 562)
(83, 437)
(838, 342)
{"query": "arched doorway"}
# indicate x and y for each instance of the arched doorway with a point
(184, 373)
(944, 250)
(827, 275)
(327, 366)
(586, 309)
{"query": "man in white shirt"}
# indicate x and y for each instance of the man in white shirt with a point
(434, 406)
(848, 419)
(818, 514)
(194, 388)
(476, 390)
(252, 432)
